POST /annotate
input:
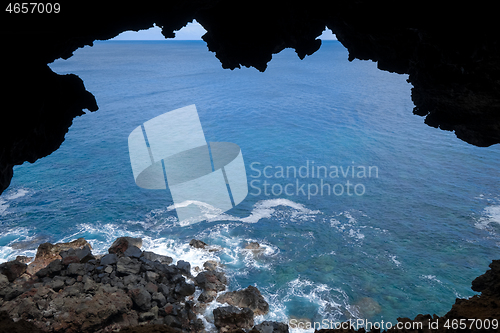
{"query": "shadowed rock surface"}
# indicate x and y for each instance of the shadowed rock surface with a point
(233, 319)
(129, 290)
(96, 295)
(249, 297)
(47, 252)
(451, 53)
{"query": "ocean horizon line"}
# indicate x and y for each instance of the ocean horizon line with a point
(172, 40)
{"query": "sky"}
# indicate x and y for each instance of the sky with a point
(192, 31)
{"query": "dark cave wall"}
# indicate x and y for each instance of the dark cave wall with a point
(451, 53)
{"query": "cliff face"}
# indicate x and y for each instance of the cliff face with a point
(451, 54)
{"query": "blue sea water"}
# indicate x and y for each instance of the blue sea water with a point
(407, 237)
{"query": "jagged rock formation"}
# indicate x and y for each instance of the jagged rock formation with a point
(140, 291)
(127, 289)
(451, 53)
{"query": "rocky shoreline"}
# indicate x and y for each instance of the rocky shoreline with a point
(66, 288)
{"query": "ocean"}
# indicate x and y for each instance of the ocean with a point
(361, 210)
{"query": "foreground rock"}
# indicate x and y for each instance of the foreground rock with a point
(252, 246)
(48, 252)
(140, 291)
(246, 298)
(13, 269)
(255, 248)
(121, 244)
(7, 325)
(198, 244)
(127, 289)
(232, 319)
(78, 293)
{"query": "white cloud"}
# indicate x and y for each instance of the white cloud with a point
(327, 35)
(192, 31)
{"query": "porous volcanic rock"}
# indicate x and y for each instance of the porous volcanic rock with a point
(121, 244)
(232, 319)
(48, 252)
(249, 297)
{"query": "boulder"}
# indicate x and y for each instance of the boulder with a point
(82, 255)
(210, 265)
(83, 314)
(24, 259)
(133, 252)
(252, 246)
(75, 269)
(157, 257)
(159, 298)
(184, 267)
(56, 284)
(11, 292)
(152, 276)
(126, 266)
(151, 287)
(52, 269)
(47, 252)
(70, 260)
(18, 326)
(121, 244)
(141, 298)
(249, 297)
(211, 280)
(109, 259)
(198, 244)
(184, 289)
(89, 285)
(13, 269)
(230, 318)
(207, 296)
(4, 281)
(146, 316)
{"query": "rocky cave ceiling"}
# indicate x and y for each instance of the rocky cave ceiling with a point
(450, 51)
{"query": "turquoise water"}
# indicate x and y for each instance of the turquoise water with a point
(407, 238)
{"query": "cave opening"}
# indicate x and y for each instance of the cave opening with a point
(321, 110)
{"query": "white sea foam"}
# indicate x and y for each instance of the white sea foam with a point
(491, 214)
(331, 303)
(251, 258)
(101, 236)
(5, 198)
(172, 248)
(12, 236)
(431, 278)
(394, 260)
(261, 210)
(208, 212)
(349, 227)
